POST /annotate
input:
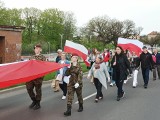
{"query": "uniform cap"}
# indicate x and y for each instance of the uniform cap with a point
(74, 54)
(38, 45)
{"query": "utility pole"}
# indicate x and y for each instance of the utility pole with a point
(61, 40)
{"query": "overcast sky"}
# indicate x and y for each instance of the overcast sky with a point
(145, 13)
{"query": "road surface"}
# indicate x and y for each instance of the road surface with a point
(138, 104)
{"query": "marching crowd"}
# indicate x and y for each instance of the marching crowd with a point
(115, 67)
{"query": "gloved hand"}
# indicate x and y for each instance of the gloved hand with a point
(76, 85)
(109, 80)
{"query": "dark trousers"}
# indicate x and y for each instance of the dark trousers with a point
(119, 84)
(145, 74)
(37, 84)
(63, 88)
(98, 86)
(155, 71)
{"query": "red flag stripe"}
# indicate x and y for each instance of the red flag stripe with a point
(131, 47)
(17, 73)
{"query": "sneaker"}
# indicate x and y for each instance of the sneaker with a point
(111, 85)
(125, 81)
(96, 100)
(64, 97)
(135, 85)
(56, 90)
(100, 98)
(123, 95)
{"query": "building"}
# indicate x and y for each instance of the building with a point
(153, 34)
(10, 43)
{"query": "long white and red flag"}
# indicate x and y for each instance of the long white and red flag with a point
(79, 49)
(20, 72)
(132, 45)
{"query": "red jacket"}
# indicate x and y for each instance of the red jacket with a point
(106, 57)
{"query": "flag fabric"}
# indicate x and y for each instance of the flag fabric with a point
(154, 58)
(21, 72)
(132, 45)
(79, 49)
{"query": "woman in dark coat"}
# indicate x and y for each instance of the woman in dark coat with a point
(120, 66)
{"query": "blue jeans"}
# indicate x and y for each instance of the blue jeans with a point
(145, 74)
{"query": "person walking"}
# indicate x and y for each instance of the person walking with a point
(61, 74)
(99, 72)
(106, 56)
(36, 83)
(75, 84)
(55, 83)
(120, 66)
(58, 58)
(135, 65)
(146, 65)
(156, 62)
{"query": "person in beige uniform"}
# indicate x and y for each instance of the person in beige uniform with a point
(36, 83)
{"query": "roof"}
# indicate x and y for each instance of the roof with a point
(11, 28)
(153, 33)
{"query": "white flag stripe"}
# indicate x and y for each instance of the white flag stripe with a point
(12, 63)
(76, 46)
(133, 41)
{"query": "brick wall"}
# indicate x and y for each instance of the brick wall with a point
(12, 45)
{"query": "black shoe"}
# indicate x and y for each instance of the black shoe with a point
(118, 98)
(37, 106)
(32, 105)
(68, 112)
(145, 86)
(80, 108)
(134, 86)
(123, 94)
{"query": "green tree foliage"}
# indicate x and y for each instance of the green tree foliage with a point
(153, 41)
(109, 30)
(44, 27)
(48, 27)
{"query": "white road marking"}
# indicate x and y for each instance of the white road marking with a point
(87, 97)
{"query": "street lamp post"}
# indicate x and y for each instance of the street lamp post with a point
(61, 39)
(49, 49)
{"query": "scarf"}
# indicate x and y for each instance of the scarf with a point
(97, 65)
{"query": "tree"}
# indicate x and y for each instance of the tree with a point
(31, 17)
(69, 25)
(109, 30)
(152, 41)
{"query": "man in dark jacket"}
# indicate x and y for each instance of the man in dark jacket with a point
(146, 65)
(156, 60)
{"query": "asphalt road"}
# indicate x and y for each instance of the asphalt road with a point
(138, 104)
